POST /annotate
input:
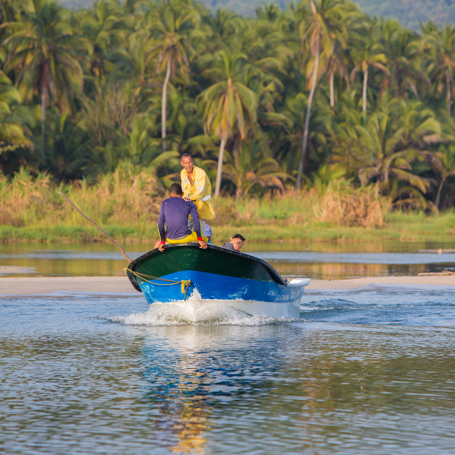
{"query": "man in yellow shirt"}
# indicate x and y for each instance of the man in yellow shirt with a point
(197, 188)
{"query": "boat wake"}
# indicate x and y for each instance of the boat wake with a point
(197, 311)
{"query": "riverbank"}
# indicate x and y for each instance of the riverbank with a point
(126, 205)
(121, 285)
(404, 227)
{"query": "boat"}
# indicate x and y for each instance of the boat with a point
(242, 281)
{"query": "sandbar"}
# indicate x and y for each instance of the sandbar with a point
(408, 281)
(121, 285)
(48, 285)
(8, 270)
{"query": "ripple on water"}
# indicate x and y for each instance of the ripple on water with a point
(73, 382)
(395, 306)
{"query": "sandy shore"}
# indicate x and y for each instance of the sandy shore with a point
(121, 285)
(7, 270)
(408, 281)
(47, 285)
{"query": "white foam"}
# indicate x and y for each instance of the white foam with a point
(196, 311)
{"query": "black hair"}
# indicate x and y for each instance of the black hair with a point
(176, 189)
(186, 155)
(239, 236)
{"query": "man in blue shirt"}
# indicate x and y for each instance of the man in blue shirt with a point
(174, 213)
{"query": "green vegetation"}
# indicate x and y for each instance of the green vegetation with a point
(31, 209)
(410, 13)
(316, 101)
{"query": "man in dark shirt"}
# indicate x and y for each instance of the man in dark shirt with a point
(236, 242)
(174, 213)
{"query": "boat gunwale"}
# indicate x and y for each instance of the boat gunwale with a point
(273, 273)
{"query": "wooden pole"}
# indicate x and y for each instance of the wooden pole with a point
(105, 233)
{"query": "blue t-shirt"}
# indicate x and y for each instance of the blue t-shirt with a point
(174, 212)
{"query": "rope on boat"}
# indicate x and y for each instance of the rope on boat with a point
(143, 276)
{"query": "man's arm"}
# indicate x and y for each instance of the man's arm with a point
(197, 225)
(161, 220)
(195, 216)
(200, 186)
(185, 186)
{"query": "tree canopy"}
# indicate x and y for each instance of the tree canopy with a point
(408, 13)
(299, 94)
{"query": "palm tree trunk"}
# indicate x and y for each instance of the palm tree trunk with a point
(438, 196)
(365, 84)
(332, 90)
(164, 101)
(449, 101)
(43, 113)
(303, 157)
(220, 168)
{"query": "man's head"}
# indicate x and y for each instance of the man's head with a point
(238, 240)
(175, 190)
(186, 160)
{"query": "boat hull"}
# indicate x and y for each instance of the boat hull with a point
(253, 297)
(216, 275)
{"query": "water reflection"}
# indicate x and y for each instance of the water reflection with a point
(74, 382)
(229, 390)
(326, 261)
(177, 396)
(203, 367)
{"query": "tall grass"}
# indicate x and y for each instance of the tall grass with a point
(340, 205)
(346, 206)
(128, 196)
(126, 203)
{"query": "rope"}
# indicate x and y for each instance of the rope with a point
(143, 276)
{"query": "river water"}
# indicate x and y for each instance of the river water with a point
(320, 261)
(360, 372)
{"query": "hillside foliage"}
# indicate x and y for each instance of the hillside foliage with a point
(410, 13)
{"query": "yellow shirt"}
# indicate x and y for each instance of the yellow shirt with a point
(200, 192)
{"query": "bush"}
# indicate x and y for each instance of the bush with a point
(344, 206)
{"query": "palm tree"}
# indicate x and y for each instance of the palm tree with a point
(442, 60)
(405, 53)
(44, 51)
(105, 28)
(336, 64)
(443, 164)
(385, 148)
(14, 123)
(7, 10)
(369, 55)
(248, 167)
(170, 26)
(230, 107)
(223, 25)
(325, 175)
(268, 12)
(140, 148)
(324, 24)
(290, 140)
(133, 61)
(69, 153)
(338, 45)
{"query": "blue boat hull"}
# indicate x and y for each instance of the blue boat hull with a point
(249, 296)
(218, 276)
(217, 287)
